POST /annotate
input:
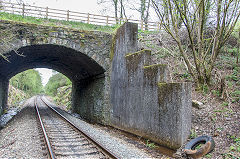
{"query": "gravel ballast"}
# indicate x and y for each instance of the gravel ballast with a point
(20, 137)
(116, 145)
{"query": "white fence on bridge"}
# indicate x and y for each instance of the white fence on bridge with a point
(50, 13)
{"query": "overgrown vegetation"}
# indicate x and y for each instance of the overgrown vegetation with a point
(15, 96)
(225, 83)
(150, 144)
(23, 86)
(211, 54)
(64, 96)
(219, 113)
(56, 81)
(55, 22)
(60, 88)
(28, 81)
(234, 149)
(206, 26)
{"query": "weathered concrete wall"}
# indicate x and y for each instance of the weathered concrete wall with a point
(3, 94)
(125, 42)
(142, 101)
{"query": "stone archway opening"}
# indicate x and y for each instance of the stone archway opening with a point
(40, 81)
(86, 74)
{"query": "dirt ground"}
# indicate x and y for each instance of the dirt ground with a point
(220, 121)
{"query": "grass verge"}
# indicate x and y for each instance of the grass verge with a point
(55, 22)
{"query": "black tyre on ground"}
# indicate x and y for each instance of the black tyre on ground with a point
(208, 146)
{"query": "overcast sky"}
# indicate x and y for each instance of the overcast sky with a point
(88, 6)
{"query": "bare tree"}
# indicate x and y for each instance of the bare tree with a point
(119, 8)
(1, 5)
(238, 52)
(198, 17)
(144, 11)
(122, 10)
(115, 3)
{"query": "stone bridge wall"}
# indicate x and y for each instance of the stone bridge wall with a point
(94, 44)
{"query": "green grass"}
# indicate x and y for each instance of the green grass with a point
(193, 134)
(150, 145)
(56, 23)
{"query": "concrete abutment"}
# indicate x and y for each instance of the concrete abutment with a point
(143, 102)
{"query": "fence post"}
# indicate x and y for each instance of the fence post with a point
(12, 9)
(23, 9)
(46, 12)
(159, 26)
(88, 18)
(68, 12)
(107, 20)
(1, 5)
(142, 25)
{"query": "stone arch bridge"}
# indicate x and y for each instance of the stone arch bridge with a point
(113, 82)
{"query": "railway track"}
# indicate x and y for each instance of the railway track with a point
(65, 140)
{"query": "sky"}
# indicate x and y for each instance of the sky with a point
(45, 74)
(84, 6)
(88, 6)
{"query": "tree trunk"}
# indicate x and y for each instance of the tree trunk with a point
(238, 53)
(116, 10)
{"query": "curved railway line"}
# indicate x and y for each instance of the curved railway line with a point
(65, 140)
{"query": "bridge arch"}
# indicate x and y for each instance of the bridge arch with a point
(87, 75)
(74, 64)
(83, 56)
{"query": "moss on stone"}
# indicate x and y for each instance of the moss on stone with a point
(134, 59)
(176, 84)
(132, 62)
(139, 52)
(114, 38)
(151, 73)
(165, 91)
(155, 66)
(50, 28)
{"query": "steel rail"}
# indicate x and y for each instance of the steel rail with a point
(104, 149)
(50, 151)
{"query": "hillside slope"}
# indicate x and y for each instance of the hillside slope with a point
(219, 114)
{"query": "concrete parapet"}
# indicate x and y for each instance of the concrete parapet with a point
(174, 113)
(142, 101)
(155, 73)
